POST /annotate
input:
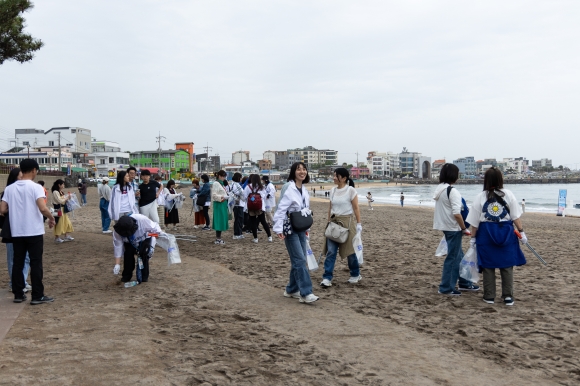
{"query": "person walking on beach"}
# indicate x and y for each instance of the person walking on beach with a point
(493, 214)
(14, 175)
(198, 218)
(239, 206)
(294, 199)
(204, 195)
(255, 194)
(369, 198)
(402, 199)
(25, 200)
(104, 198)
(148, 193)
(82, 186)
(63, 224)
(219, 196)
(160, 198)
(122, 198)
(523, 205)
(343, 205)
(447, 218)
(171, 215)
(270, 199)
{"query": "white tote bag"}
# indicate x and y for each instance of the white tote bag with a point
(310, 259)
(358, 247)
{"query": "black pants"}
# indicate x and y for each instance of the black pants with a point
(254, 220)
(246, 226)
(206, 215)
(129, 264)
(34, 245)
(238, 220)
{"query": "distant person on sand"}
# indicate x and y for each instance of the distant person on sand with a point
(104, 198)
(219, 197)
(253, 193)
(523, 205)
(493, 214)
(270, 199)
(369, 199)
(343, 205)
(82, 186)
(447, 218)
(402, 199)
(294, 198)
(239, 206)
(205, 193)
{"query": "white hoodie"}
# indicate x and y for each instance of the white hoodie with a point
(291, 201)
(446, 208)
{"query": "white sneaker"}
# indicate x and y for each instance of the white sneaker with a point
(308, 298)
(107, 232)
(255, 241)
(236, 237)
(68, 238)
(270, 239)
(195, 227)
(58, 240)
(354, 280)
(295, 295)
(326, 283)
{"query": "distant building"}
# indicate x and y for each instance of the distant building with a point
(205, 164)
(436, 168)
(270, 155)
(542, 163)
(190, 149)
(107, 158)
(315, 157)
(517, 165)
(357, 173)
(264, 164)
(466, 165)
(240, 156)
(284, 160)
(173, 162)
(414, 164)
(249, 167)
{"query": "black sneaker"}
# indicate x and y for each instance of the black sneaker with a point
(471, 287)
(509, 301)
(452, 293)
(20, 300)
(488, 301)
(260, 230)
(206, 228)
(44, 299)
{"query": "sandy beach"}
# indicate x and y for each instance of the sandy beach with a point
(220, 318)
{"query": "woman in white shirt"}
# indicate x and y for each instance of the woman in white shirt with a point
(122, 198)
(295, 199)
(343, 205)
(493, 215)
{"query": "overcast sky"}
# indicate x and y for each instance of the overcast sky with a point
(445, 78)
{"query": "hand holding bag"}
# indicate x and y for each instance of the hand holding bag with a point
(336, 232)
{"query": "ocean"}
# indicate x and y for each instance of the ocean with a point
(539, 197)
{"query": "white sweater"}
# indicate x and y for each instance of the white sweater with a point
(115, 203)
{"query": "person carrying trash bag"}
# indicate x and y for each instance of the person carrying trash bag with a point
(448, 218)
(131, 237)
(343, 205)
(493, 215)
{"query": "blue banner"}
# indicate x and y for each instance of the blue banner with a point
(562, 201)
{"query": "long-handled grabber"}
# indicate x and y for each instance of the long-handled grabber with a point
(530, 248)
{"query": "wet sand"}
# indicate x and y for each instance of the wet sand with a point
(220, 317)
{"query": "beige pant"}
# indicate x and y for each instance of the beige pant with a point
(269, 216)
(150, 211)
(507, 282)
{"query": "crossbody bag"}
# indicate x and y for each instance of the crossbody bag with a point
(334, 231)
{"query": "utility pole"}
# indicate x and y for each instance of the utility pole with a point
(59, 153)
(356, 159)
(28, 147)
(207, 149)
(159, 139)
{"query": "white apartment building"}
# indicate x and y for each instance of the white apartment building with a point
(107, 158)
(383, 164)
(520, 164)
(240, 156)
(270, 155)
(312, 156)
(75, 138)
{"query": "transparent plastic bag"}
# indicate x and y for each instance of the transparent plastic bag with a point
(310, 259)
(73, 202)
(441, 248)
(358, 247)
(179, 200)
(168, 242)
(468, 268)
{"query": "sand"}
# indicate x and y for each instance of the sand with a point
(220, 317)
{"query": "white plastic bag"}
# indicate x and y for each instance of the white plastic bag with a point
(73, 202)
(358, 247)
(168, 242)
(442, 248)
(310, 259)
(468, 268)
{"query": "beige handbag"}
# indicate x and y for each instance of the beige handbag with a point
(336, 232)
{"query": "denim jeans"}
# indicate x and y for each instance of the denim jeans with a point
(10, 261)
(451, 264)
(299, 276)
(105, 219)
(84, 199)
(330, 260)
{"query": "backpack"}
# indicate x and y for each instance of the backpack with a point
(464, 208)
(254, 201)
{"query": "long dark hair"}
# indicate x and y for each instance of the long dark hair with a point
(55, 186)
(12, 176)
(292, 176)
(493, 182)
(237, 176)
(170, 183)
(121, 179)
(344, 174)
(256, 182)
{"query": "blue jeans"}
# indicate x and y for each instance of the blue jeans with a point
(105, 219)
(330, 260)
(84, 198)
(10, 261)
(299, 276)
(451, 264)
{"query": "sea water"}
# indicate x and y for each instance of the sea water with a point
(539, 197)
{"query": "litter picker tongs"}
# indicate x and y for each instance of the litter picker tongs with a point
(530, 248)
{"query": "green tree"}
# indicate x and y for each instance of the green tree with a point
(14, 43)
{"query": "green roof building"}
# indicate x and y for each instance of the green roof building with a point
(174, 161)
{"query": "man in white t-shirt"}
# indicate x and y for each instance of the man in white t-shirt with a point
(24, 199)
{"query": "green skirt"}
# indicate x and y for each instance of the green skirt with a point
(220, 216)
